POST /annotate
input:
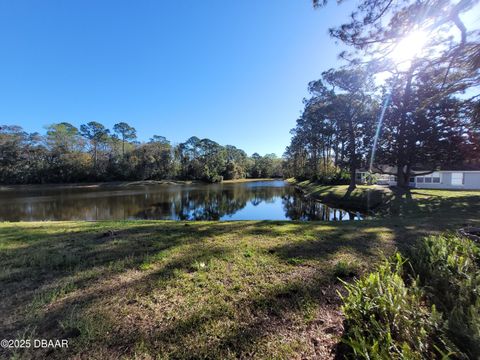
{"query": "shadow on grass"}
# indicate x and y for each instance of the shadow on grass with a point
(37, 262)
(414, 203)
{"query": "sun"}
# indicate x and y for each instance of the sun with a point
(409, 47)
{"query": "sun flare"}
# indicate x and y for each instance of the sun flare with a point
(409, 47)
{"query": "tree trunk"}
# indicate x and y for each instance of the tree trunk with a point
(353, 156)
(401, 178)
(353, 172)
(95, 156)
(401, 132)
(336, 149)
(324, 161)
(342, 153)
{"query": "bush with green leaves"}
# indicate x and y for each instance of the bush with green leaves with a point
(448, 266)
(371, 178)
(387, 319)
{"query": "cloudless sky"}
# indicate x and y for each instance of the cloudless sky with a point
(232, 71)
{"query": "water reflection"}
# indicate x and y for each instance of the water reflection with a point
(300, 208)
(260, 200)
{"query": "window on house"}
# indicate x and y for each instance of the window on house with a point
(430, 178)
(412, 180)
(436, 177)
(359, 176)
(457, 178)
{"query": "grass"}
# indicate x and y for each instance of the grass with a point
(363, 198)
(393, 202)
(164, 289)
(175, 289)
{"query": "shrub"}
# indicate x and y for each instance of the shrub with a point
(386, 319)
(371, 178)
(334, 176)
(216, 179)
(448, 267)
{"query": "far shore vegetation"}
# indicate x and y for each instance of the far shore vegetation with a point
(66, 154)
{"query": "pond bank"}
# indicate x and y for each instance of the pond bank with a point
(394, 202)
(363, 198)
(93, 185)
(234, 181)
(128, 183)
(187, 182)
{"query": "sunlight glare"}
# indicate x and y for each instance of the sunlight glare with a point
(409, 47)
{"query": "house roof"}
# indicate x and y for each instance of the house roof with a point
(380, 169)
(471, 165)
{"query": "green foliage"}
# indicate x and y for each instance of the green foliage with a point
(335, 132)
(126, 132)
(448, 266)
(20, 155)
(237, 163)
(66, 154)
(386, 319)
(425, 119)
(265, 166)
(371, 178)
(333, 175)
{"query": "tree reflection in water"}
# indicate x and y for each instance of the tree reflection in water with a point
(261, 200)
(298, 207)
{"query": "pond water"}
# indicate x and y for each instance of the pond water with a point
(257, 200)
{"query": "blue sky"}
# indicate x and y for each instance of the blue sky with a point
(232, 71)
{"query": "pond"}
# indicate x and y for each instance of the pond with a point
(256, 200)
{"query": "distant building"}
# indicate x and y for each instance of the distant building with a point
(441, 179)
(447, 179)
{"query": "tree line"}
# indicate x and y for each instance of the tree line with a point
(66, 154)
(424, 115)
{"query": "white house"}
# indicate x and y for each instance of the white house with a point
(442, 179)
(447, 179)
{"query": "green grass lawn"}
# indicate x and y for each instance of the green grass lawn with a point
(392, 202)
(164, 289)
(363, 198)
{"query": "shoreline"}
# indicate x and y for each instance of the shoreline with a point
(6, 187)
(364, 198)
(237, 181)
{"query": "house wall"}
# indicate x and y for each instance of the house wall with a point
(471, 181)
